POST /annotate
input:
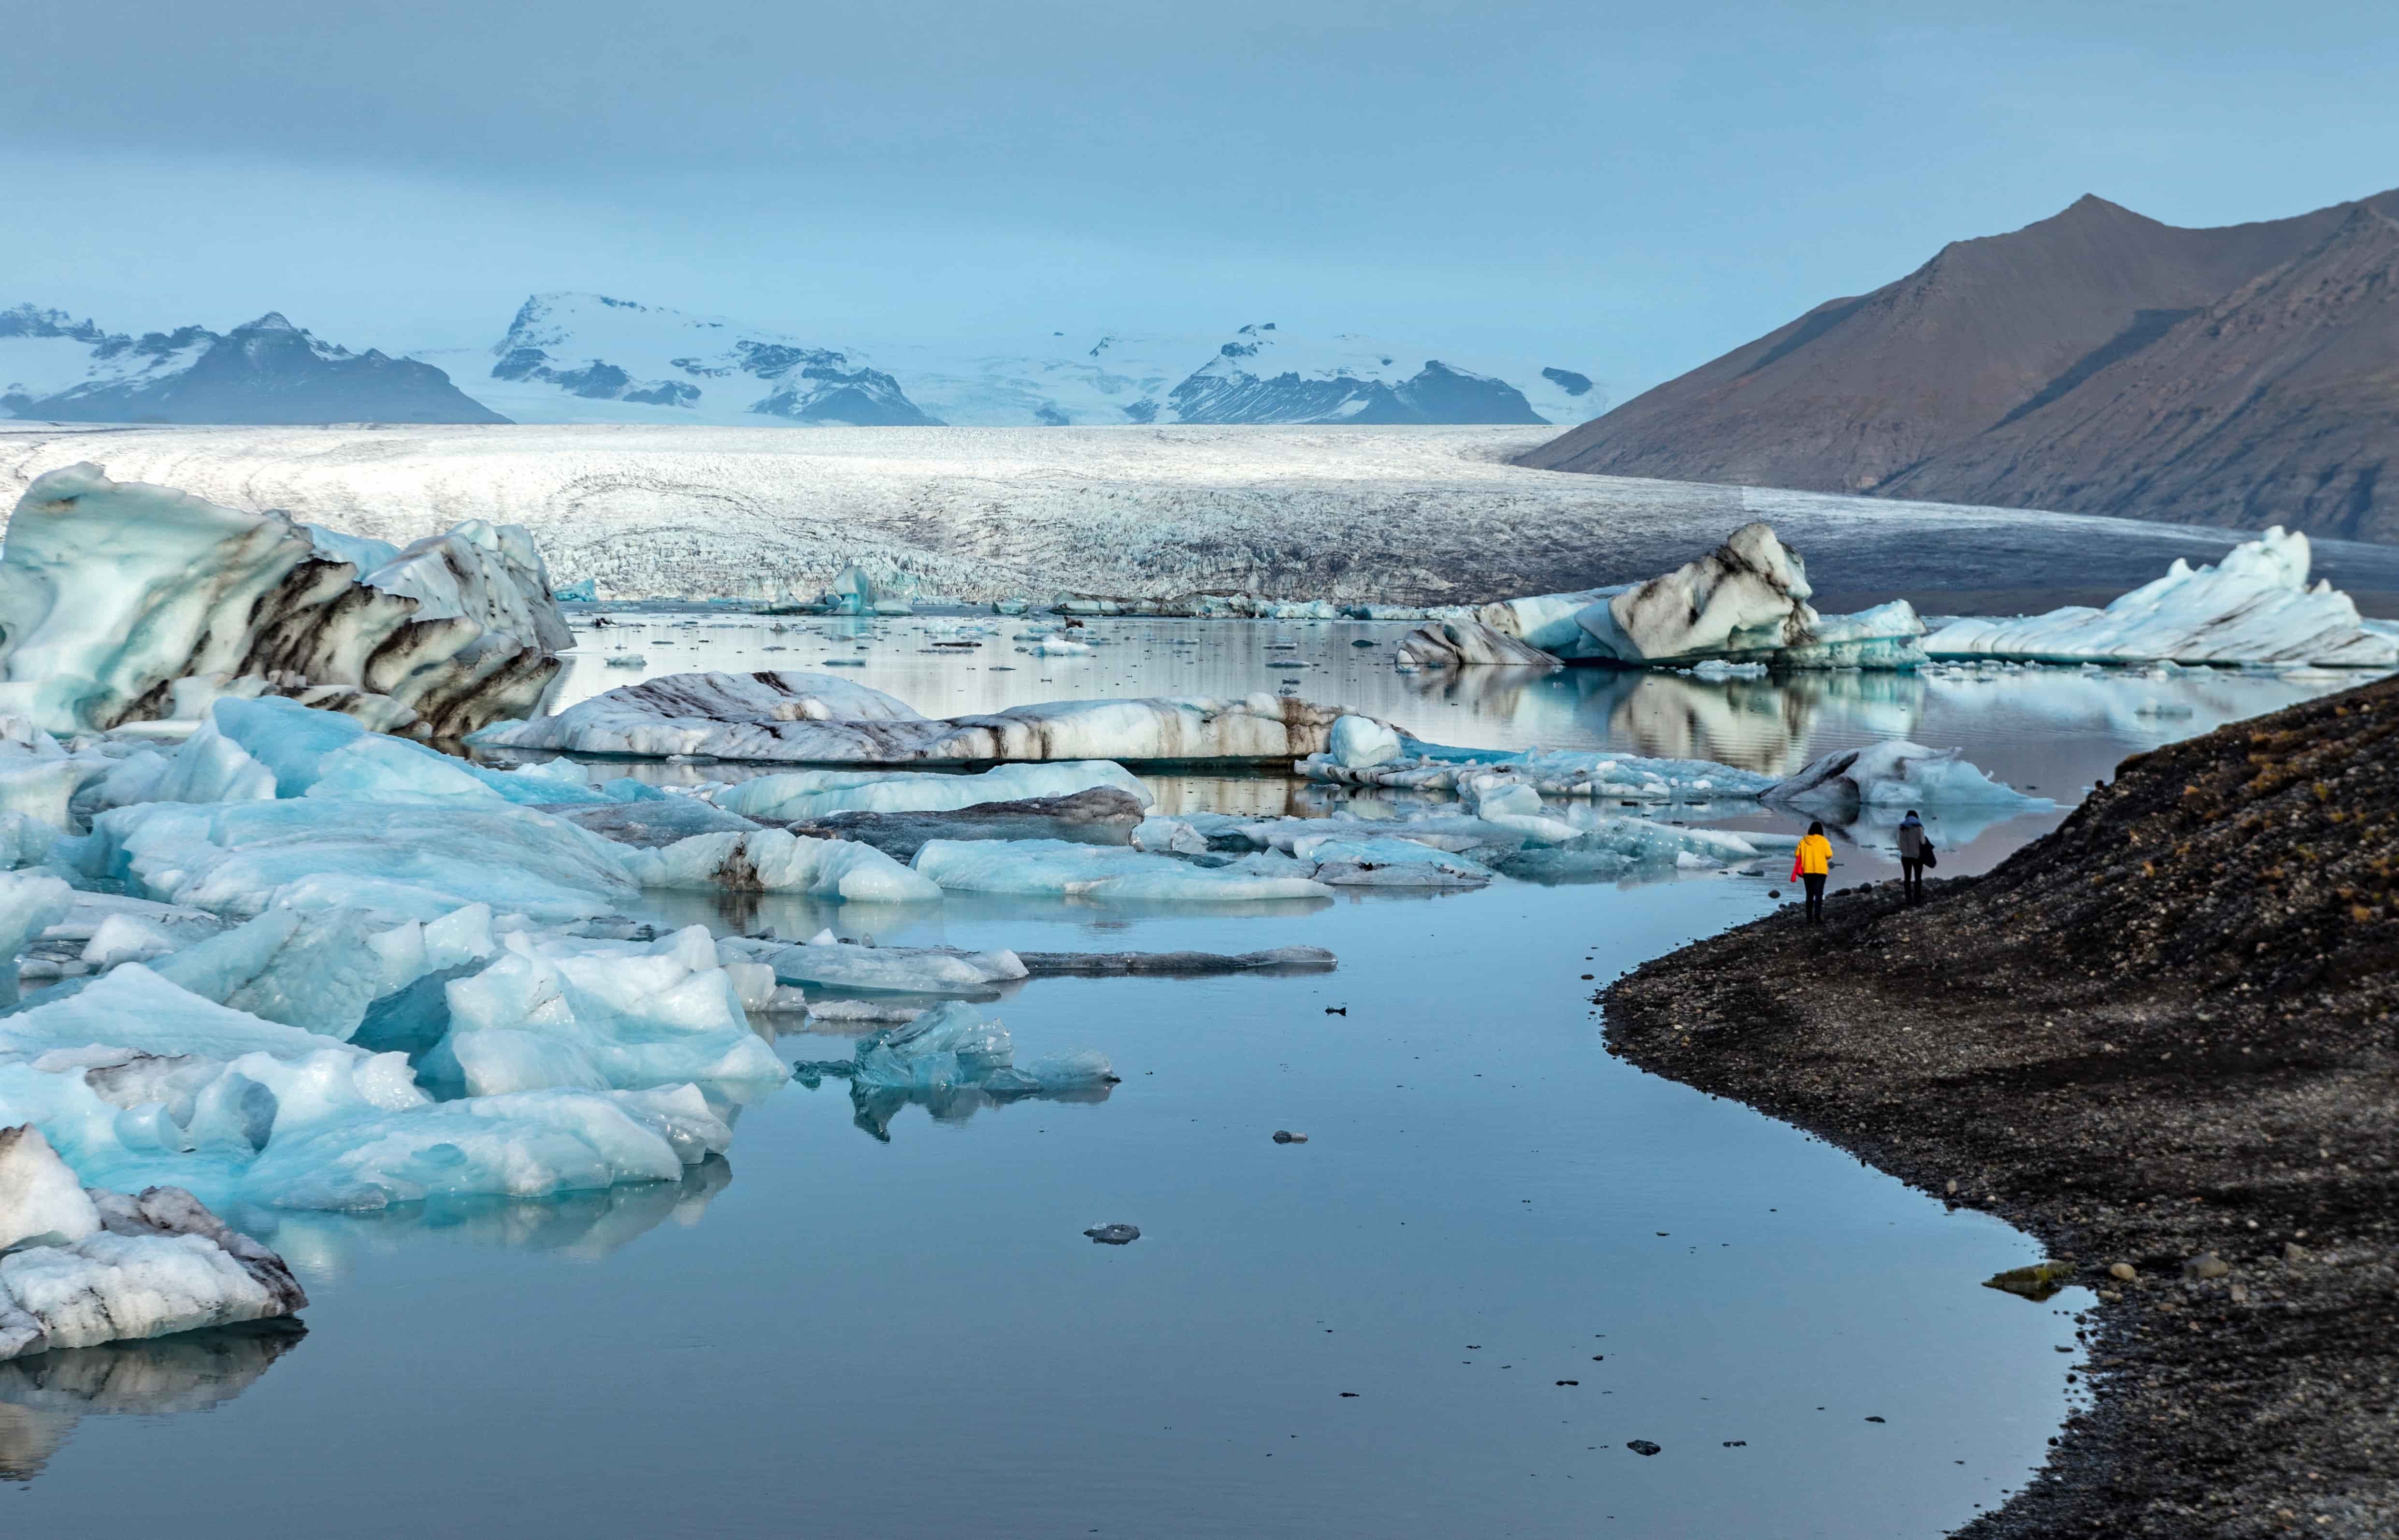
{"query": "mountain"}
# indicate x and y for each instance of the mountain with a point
(1261, 374)
(55, 368)
(2096, 361)
(590, 358)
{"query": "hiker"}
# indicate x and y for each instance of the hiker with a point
(1809, 864)
(1914, 855)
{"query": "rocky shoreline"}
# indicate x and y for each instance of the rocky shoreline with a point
(2160, 1040)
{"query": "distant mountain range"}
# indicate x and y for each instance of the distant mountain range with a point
(2094, 362)
(54, 369)
(573, 358)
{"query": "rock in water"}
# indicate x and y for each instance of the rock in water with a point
(1641, 1446)
(1284, 1136)
(1114, 1235)
(128, 602)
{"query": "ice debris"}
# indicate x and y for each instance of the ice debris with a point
(129, 603)
(2252, 607)
(815, 794)
(1466, 643)
(1059, 868)
(1896, 774)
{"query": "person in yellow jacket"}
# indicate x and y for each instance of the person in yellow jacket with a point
(1811, 864)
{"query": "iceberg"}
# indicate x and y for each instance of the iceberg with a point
(953, 1063)
(828, 962)
(130, 603)
(1058, 868)
(1745, 602)
(1420, 766)
(774, 860)
(2252, 607)
(797, 718)
(599, 1014)
(1896, 773)
(815, 794)
(103, 1266)
(1100, 815)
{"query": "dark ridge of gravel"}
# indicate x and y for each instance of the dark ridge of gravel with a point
(2165, 1029)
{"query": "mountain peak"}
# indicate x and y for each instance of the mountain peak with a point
(272, 321)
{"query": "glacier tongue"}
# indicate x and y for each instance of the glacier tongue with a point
(2254, 607)
(130, 603)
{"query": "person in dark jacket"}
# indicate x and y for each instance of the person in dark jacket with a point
(1913, 846)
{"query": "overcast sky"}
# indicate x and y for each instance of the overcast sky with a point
(1631, 188)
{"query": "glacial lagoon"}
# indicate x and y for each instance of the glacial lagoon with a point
(1499, 1258)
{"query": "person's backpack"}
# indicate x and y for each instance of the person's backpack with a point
(1930, 860)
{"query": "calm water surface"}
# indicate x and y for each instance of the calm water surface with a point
(884, 1320)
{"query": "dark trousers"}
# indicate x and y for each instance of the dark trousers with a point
(1911, 880)
(1815, 881)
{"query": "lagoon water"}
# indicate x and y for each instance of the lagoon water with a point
(882, 1320)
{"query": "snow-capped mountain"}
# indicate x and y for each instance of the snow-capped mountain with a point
(56, 369)
(591, 359)
(1261, 374)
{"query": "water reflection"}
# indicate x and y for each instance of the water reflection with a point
(43, 1398)
(583, 1226)
(871, 1111)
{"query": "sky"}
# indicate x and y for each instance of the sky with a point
(1627, 189)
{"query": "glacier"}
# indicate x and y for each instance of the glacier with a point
(1400, 516)
(2254, 607)
(128, 602)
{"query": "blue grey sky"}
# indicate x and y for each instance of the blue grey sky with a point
(1633, 188)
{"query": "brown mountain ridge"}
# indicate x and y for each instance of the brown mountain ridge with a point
(2096, 361)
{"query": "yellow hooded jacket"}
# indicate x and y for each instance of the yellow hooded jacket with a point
(1814, 857)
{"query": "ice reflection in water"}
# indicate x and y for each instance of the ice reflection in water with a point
(43, 1398)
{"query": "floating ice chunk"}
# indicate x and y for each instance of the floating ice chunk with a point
(909, 970)
(1058, 646)
(523, 1145)
(38, 778)
(1358, 742)
(1893, 774)
(40, 1200)
(1628, 777)
(29, 905)
(2255, 607)
(600, 1015)
(163, 1264)
(1625, 847)
(950, 1047)
(1170, 837)
(725, 715)
(774, 861)
(652, 822)
(736, 717)
(815, 794)
(1054, 867)
(131, 602)
(399, 860)
(1353, 862)
(133, 1007)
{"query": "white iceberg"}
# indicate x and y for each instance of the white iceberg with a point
(130, 603)
(110, 1267)
(2252, 607)
(799, 718)
(829, 961)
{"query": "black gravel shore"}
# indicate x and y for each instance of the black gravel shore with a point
(2160, 1039)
